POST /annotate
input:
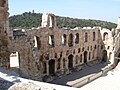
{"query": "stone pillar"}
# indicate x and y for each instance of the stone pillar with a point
(66, 66)
(4, 53)
(74, 59)
(61, 63)
(47, 67)
(55, 65)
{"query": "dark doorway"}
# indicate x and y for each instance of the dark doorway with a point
(104, 59)
(119, 55)
(85, 57)
(70, 61)
(51, 67)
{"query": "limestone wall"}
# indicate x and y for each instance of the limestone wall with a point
(49, 51)
(4, 53)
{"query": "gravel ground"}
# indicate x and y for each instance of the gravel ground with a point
(10, 78)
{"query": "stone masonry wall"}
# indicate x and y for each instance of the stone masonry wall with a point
(50, 51)
(4, 53)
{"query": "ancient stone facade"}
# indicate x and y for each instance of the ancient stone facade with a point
(50, 51)
(4, 54)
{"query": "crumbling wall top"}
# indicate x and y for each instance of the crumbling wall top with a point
(48, 20)
(118, 25)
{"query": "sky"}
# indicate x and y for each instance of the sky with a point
(107, 10)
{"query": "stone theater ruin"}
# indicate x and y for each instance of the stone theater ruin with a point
(49, 51)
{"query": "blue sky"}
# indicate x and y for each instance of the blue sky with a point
(107, 10)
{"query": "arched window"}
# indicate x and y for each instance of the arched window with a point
(95, 47)
(37, 42)
(77, 38)
(86, 37)
(78, 50)
(70, 40)
(93, 36)
(64, 39)
(51, 41)
(105, 36)
(51, 23)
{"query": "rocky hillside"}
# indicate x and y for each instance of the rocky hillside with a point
(28, 20)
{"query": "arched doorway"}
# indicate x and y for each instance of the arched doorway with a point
(85, 57)
(104, 59)
(51, 67)
(105, 36)
(70, 61)
(15, 60)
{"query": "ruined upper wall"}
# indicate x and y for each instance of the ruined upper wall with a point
(48, 20)
(118, 25)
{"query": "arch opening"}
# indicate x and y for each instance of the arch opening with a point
(77, 38)
(86, 37)
(70, 40)
(105, 36)
(64, 39)
(70, 61)
(14, 60)
(51, 41)
(85, 57)
(52, 67)
(93, 36)
(104, 59)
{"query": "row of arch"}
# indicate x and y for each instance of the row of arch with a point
(71, 40)
(70, 62)
(75, 38)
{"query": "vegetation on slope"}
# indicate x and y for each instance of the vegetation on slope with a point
(28, 20)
